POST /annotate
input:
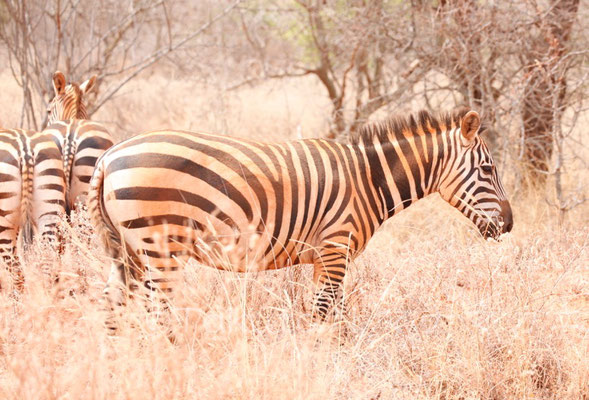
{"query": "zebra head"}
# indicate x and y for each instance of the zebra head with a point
(470, 181)
(67, 103)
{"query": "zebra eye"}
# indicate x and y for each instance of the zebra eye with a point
(487, 168)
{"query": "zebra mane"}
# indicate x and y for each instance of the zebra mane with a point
(397, 127)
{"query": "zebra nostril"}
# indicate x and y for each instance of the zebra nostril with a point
(508, 226)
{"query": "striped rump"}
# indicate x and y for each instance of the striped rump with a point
(32, 191)
(82, 143)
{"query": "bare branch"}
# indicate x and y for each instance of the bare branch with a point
(152, 59)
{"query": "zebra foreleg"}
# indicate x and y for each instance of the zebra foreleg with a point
(329, 273)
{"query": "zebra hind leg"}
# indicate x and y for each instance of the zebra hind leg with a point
(12, 261)
(118, 291)
(8, 238)
(160, 281)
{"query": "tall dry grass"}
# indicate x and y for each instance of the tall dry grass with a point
(434, 311)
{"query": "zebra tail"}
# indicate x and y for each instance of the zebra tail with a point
(98, 214)
(69, 152)
(26, 202)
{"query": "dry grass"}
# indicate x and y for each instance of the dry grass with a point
(434, 311)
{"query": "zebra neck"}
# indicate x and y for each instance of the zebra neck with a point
(399, 175)
(82, 113)
(79, 112)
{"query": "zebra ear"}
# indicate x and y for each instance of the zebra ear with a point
(88, 85)
(470, 124)
(58, 82)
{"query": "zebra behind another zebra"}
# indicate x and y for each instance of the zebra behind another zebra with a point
(32, 195)
(161, 197)
(82, 140)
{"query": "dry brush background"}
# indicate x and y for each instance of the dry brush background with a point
(434, 310)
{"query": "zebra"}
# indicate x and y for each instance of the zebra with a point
(82, 140)
(161, 197)
(32, 196)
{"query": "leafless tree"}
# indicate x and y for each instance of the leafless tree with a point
(546, 62)
(467, 43)
(346, 46)
(116, 40)
(523, 64)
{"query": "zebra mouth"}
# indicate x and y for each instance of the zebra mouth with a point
(492, 228)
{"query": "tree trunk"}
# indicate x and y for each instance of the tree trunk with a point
(546, 73)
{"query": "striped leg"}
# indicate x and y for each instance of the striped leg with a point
(330, 269)
(115, 293)
(164, 256)
(157, 283)
(121, 283)
(161, 278)
(116, 285)
(10, 220)
(8, 237)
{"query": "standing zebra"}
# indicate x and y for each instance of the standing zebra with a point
(161, 197)
(82, 140)
(31, 191)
